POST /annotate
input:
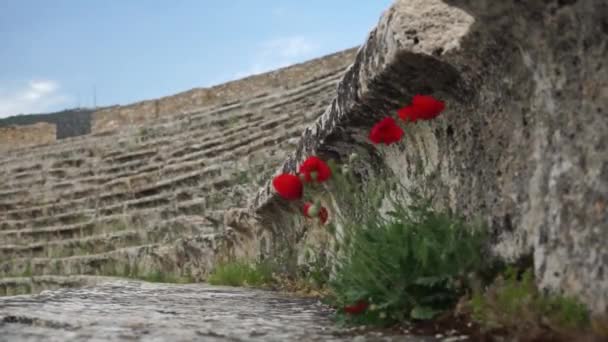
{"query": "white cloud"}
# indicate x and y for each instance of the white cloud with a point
(36, 96)
(278, 53)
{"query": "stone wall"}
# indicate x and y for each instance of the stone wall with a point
(523, 143)
(29, 135)
(278, 80)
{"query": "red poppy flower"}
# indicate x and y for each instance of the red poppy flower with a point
(315, 169)
(323, 214)
(357, 308)
(288, 186)
(409, 113)
(386, 131)
(427, 106)
(423, 107)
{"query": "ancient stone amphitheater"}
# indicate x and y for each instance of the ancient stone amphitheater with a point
(148, 197)
(166, 188)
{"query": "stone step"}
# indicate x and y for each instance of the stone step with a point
(62, 148)
(125, 157)
(92, 264)
(26, 285)
(87, 145)
(6, 224)
(129, 156)
(39, 216)
(64, 218)
(71, 147)
(150, 153)
(70, 144)
(296, 99)
(183, 256)
(50, 233)
(12, 194)
(272, 99)
(119, 189)
(313, 84)
(203, 152)
(305, 88)
(56, 207)
(162, 231)
(158, 195)
(131, 163)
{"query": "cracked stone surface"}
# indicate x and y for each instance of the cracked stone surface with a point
(121, 310)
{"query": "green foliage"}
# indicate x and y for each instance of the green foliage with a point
(411, 263)
(163, 277)
(514, 302)
(239, 273)
(565, 311)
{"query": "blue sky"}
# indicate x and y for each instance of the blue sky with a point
(54, 53)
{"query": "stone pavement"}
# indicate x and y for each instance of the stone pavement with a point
(125, 310)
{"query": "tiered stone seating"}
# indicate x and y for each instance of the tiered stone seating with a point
(147, 198)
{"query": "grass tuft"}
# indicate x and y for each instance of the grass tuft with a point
(240, 273)
(161, 277)
(513, 302)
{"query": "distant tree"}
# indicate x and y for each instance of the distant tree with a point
(69, 122)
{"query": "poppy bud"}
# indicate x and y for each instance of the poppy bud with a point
(314, 209)
(353, 157)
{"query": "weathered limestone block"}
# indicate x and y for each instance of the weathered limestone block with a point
(13, 137)
(522, 144)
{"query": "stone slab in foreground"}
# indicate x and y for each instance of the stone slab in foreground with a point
(119, 310)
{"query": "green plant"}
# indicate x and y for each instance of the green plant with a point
(240, 273)
(157, 276)
(411, 263)
(513, 302)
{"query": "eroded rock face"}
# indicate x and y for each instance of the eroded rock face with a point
(125, 311)
(523, 143)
